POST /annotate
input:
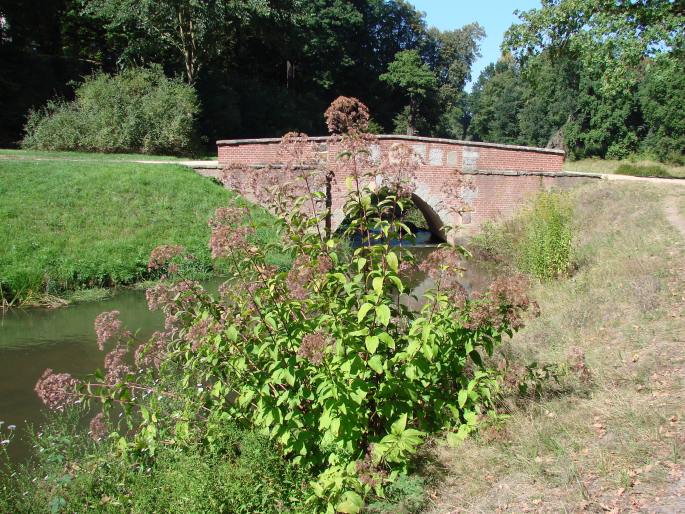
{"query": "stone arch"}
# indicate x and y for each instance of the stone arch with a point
(436, 218)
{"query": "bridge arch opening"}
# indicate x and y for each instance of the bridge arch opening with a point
(432, 221)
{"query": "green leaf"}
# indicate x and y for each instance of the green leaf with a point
(363, 310)
(391, 258)
(462, 397)
(383, 314)
(378, 285)
(361, 262)
(372, 344)
(399, 425)
(351, 503)
(376, 364)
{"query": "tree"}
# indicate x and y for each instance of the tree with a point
(497, 102)
(192, 29)
(414, 78)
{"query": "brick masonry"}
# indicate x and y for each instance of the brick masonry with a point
(502, 177)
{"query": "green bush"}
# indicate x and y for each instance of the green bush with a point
(653, 170)
(545, 248)
(71, 473)
(139, 110)
(345, 379)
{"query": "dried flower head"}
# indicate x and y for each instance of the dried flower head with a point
(98, 427)
(57, 390)
(313, 347)
(577, 363)
(225, 240)
(162, 254)
(347, 114)
(108, 327)
(503, 304)
(299, 278)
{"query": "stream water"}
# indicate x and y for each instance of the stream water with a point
(64, 340)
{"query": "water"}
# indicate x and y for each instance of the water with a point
(64, 340)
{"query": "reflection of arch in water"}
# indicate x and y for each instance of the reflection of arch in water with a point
(429, 208)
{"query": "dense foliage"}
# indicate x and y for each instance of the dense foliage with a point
(326, 359)
(139, 110)
(596, 78)
(538, 241)
(260, 67)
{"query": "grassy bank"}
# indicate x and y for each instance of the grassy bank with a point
(73, 225)
(628, 167)
(618, 443)
(40, 154)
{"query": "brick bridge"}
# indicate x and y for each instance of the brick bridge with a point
(502, 176)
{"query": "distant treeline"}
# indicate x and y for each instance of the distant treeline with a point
(604, 80)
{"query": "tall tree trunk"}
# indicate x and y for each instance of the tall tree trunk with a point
(411, 117)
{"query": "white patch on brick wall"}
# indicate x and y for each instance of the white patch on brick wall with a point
(470, 159)
(452, 159)
(420, 151)
(375, 154)
(435, 157)
(469, 194)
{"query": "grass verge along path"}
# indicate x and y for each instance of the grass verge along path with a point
(68, 225)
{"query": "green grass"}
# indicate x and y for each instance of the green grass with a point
(73, 225)
(612, 166)
(39, 154)
(651, 170)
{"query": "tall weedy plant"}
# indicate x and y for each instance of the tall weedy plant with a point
(324, 358)
(546, 248)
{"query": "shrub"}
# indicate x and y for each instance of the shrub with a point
(653, 170)
(323, 358)
(139, 110)
(545, 249)
(71, 473)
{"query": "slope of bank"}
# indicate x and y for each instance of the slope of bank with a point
(73, 225)
(616, 444)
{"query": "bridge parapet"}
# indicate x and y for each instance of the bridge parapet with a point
(502, 176)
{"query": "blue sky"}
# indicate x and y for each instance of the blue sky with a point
(494, 15)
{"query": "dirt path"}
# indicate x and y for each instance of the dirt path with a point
(673, 214)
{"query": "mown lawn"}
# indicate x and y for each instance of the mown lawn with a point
(71, 225)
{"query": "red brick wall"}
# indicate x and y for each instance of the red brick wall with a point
(503, 176)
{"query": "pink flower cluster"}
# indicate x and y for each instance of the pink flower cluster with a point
(445, 268)
(56, 390)
(151, 354)
(347, 114)
(116, 368)
(108, 327)
(398, 170)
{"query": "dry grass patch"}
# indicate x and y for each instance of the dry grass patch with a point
(610, 166)
(615, 444)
